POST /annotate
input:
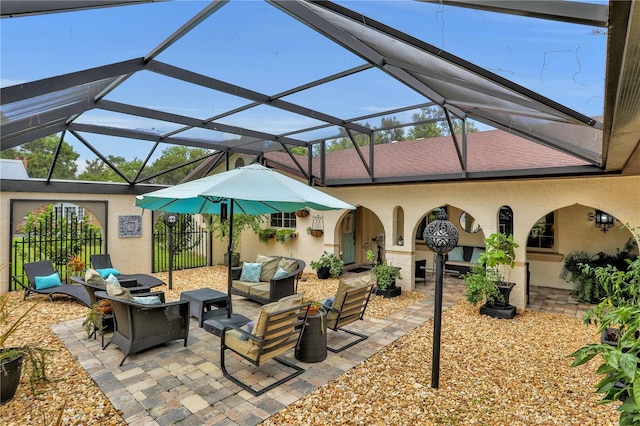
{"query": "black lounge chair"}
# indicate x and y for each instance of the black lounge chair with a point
(138, 327)
(277, 330)
(350, 302)
(45, 268)
(103, 261)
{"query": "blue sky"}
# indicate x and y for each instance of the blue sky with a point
(561, 61)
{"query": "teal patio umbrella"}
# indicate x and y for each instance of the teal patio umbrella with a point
(252, 190)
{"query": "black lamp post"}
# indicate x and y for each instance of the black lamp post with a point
(441, 237)
(170, 219)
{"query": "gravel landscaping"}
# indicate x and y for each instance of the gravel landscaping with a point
(493, 372)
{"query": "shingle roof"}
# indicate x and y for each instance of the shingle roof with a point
(486, 151)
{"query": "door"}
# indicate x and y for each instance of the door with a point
(349, 239)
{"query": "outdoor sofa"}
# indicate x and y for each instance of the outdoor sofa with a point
(461, 258)
(268, 287)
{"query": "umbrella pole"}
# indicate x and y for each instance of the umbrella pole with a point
(229, 256)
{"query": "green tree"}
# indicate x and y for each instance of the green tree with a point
(426, 130)
(97, 170)
(171, 157)
(394, 132)
(40, 154)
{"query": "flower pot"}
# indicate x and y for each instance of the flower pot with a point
(10, 370)
(324, 273)
(235, 259)
(505, 291)
(103, 309)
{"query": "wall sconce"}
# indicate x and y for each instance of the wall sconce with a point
(603, 220)
(400, 241)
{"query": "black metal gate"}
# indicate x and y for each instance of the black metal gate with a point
(191, 245)
(57, 235)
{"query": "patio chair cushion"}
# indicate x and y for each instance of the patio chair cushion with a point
(345, 285)
(48, 281)
(251, 272)
(269, 266)
(280, 273)
(260, 289)
(289, 265)
(105, 272)
(261, 322)
(93, 277)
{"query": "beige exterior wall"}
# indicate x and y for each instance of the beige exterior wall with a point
(129, 255)
(398, 209)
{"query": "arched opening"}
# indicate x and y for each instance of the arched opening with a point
(562, 238)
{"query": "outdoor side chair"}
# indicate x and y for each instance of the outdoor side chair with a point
(44, 268)
(277, 330)
(107, 319)
(349, 305)
(103, 261)
(421, 271)
(138, 327)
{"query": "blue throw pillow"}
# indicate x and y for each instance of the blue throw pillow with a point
(456, 255)
(280, 273)
(147, 300)
(104, 273)
(49, 281)
(248, 328)
(251, 272)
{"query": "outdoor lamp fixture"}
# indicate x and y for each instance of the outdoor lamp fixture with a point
(170, 219)
(441, 237)
(604, 220)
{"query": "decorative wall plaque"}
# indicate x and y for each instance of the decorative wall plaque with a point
(129, 226)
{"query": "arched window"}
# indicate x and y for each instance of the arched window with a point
(239, 162)
(505, 220)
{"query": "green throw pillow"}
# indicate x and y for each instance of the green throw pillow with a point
(269, 267)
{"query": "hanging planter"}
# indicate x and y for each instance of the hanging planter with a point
(284, 235)
(302, 213)
(317, 226)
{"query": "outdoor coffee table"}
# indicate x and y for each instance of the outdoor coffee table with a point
(202, 301)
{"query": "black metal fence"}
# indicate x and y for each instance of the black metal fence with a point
(49, 236)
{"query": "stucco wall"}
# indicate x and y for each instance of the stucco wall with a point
(573, 198)
(129, 255)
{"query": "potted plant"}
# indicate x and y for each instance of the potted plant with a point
(266, 234)
(284, 235)
(327, 265)
(12, 357)
(240, 223)
(385, 276)
(315, 232)
(302, 212)
(488, 279)
(618, 317)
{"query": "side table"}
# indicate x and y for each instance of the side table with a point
(313, 343)
(202, 300)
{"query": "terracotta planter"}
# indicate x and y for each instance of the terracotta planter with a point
(316, 232)
(302, 213)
